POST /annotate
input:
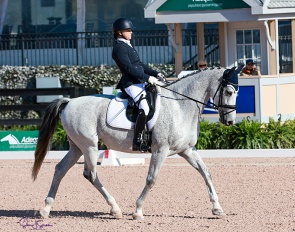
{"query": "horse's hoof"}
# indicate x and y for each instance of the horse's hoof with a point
(116, 213)
(218, 212)
(137, 216)
(44, 213)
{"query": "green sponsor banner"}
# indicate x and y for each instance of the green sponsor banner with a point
(18, 140)
(199, 5)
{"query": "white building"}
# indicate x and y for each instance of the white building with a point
(247, 29)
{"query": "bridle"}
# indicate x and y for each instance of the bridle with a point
(220, 106)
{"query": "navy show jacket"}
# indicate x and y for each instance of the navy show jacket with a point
(132, 69)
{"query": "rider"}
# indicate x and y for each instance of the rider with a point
(135, 75)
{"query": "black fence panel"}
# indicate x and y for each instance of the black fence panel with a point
(95, 48)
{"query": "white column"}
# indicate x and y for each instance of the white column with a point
(81, 11)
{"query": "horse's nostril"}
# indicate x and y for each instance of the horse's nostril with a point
(230, 123)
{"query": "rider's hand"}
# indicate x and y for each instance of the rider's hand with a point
(152, 80)
(161, 77)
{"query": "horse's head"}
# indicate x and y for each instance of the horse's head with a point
(228, 91)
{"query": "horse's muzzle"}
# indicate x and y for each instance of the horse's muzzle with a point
(227, 123)
(230, 123)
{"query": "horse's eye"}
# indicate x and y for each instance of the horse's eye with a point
(228, 93)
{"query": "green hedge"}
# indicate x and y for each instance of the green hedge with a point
(247, 135)
(244, 135)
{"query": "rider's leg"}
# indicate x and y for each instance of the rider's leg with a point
(138, 129)
(137, 92)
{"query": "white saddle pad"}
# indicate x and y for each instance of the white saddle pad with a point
(116, 115)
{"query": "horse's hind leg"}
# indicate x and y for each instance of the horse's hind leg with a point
(90, 156)
(60, 170)
(193, 157)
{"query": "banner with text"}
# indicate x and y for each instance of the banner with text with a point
(18, 140)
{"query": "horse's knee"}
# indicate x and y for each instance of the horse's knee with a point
(150, 181)
(90, 175)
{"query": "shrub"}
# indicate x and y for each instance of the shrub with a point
(59, 139)
(281, 134)
(205, 135)
(249, 135)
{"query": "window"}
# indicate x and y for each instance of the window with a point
(47, 3)
(248, 46)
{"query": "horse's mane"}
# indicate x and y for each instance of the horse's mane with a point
(191, 74)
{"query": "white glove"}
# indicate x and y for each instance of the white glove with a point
(152, 80)
(161, 77)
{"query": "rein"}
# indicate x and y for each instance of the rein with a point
(212, 105)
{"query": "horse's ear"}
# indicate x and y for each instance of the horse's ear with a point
(230, 76)
(229, 72)
(238, 70)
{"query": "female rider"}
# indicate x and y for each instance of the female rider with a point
(135, 75)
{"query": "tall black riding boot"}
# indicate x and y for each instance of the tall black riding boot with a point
(138, 145)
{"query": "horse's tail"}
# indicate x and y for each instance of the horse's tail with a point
(46, 131)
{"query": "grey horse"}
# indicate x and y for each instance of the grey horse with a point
(175, 132)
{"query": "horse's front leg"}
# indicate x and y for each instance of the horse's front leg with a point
(193, 157)
(156, 163)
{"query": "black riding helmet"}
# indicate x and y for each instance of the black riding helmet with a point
(121, 24)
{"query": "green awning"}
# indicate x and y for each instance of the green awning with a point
(201, 5)
(187, 11)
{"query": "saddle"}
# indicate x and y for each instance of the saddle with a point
(122, 111)
(132, 109)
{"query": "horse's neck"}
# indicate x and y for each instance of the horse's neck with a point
(192, 87)
(199, 86)
(186, 95)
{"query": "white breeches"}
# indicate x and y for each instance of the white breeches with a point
(135, 91)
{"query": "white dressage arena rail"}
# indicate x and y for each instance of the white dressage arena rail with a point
(116, 158)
